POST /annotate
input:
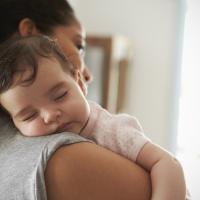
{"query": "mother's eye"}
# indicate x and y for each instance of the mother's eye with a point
(81, 49)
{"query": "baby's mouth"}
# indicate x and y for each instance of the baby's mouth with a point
(64, 127)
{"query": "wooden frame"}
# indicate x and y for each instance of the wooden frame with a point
(116, 58)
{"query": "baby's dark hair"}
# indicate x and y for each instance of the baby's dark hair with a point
(46, 14)
(21, 53)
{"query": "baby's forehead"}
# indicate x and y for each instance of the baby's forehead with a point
(23, 77)
(20, 59)
(29, 72)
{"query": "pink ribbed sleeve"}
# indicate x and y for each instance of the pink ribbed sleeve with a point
(120, 133)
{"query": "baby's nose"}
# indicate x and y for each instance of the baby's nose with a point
(51, 116)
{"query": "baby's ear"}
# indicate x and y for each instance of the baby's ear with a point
(79, 79)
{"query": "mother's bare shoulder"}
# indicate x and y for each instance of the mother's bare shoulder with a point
(87, 171)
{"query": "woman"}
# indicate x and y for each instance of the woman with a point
(73, 171)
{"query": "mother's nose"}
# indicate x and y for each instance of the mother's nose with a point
(87, 75)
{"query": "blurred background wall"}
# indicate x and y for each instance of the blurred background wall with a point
(163, 89)
(155, 30)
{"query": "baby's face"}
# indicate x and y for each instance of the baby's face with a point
(54, 102)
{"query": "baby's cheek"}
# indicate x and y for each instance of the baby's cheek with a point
(31, 129)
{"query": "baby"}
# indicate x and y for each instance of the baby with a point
(44, 93)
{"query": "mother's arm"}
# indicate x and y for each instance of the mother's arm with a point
(86, 171)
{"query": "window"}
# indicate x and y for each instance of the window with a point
(189, 110)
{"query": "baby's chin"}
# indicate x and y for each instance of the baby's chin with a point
(70, 127)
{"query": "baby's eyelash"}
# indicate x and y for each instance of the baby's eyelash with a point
(30, 117)
(61, 96)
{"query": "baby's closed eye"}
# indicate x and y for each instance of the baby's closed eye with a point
(30, 116)
(61, 96)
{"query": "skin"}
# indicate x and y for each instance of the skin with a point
(71, 40)
(73, 45)
(58, 104)
(128, 175)
(48, 105)
(102, 174)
